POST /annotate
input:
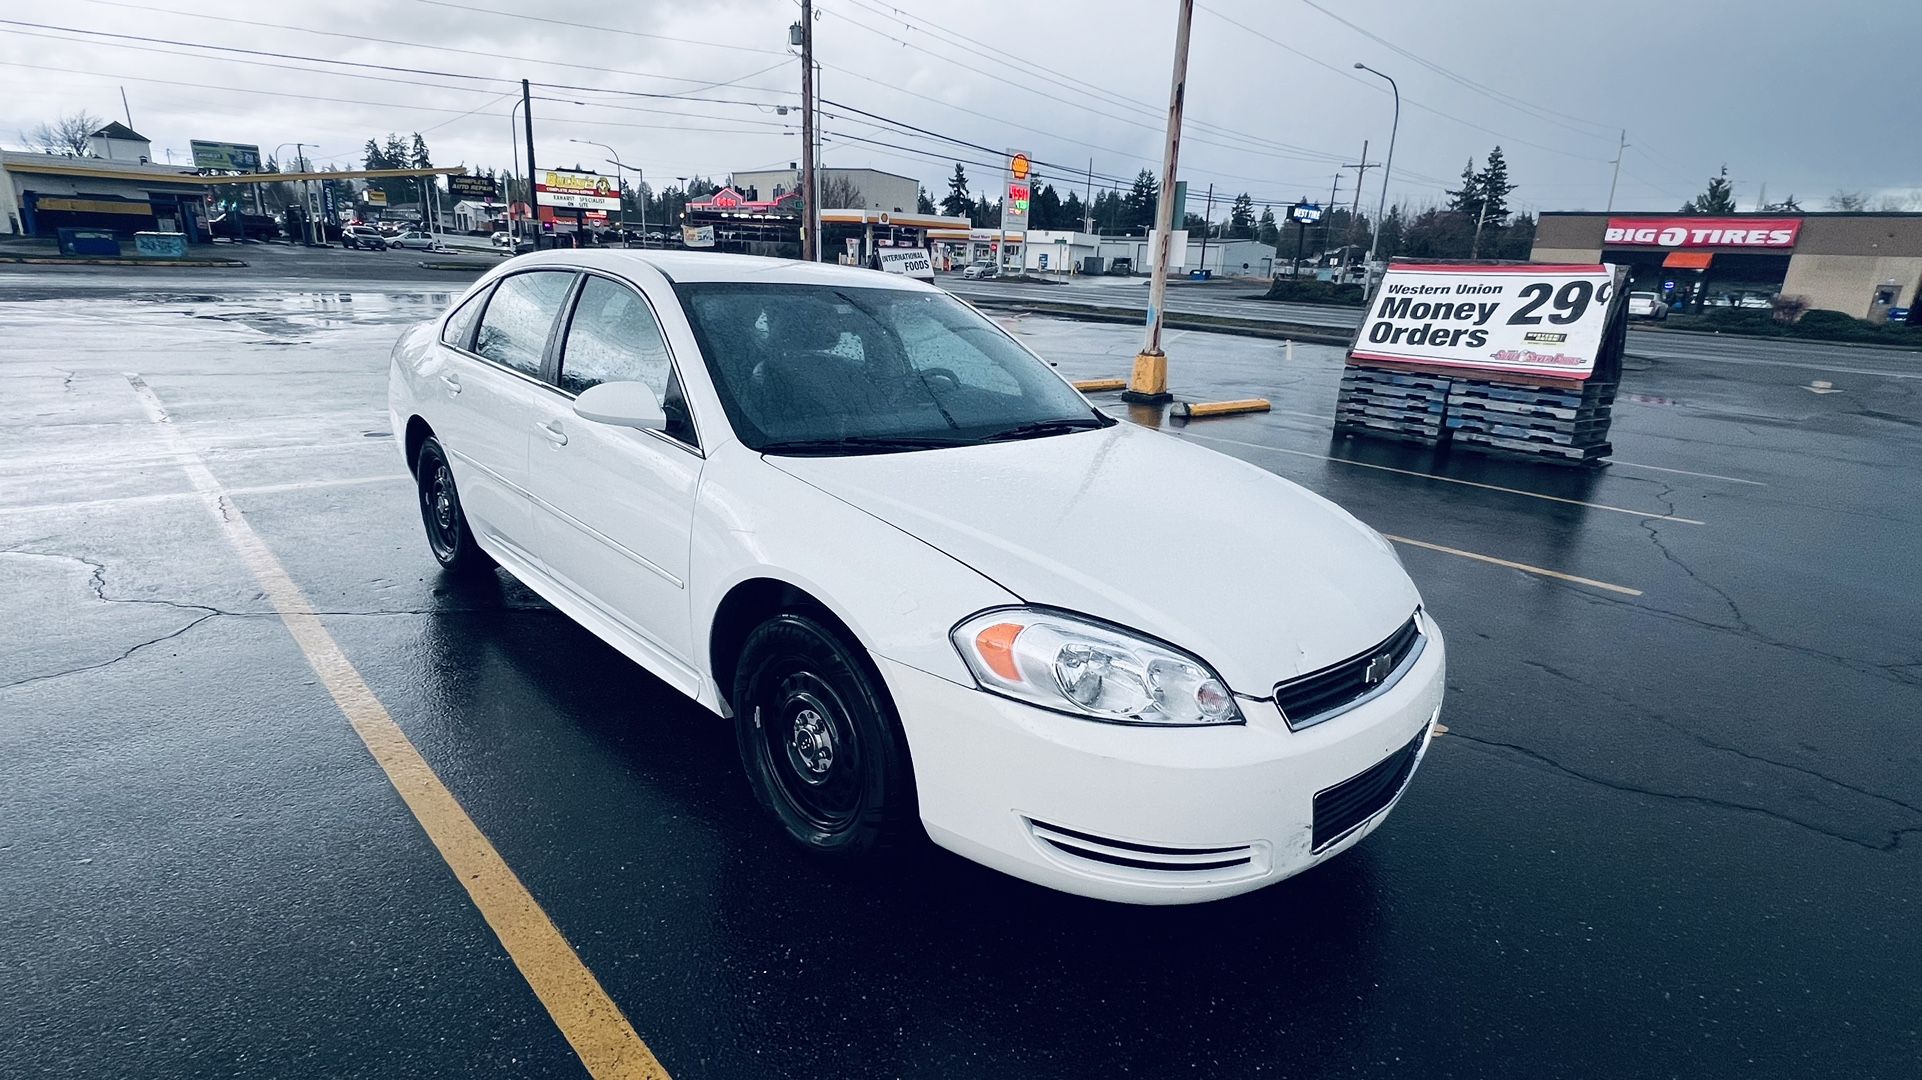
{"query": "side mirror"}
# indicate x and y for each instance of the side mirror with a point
(623, 404)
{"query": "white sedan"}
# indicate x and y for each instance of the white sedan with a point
(929, 584)
(413, 238)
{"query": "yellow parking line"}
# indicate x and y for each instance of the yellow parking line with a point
(1648, 514)
(607, 1044)
(1523, 567)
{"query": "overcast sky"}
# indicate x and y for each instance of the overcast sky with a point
(1796, 97)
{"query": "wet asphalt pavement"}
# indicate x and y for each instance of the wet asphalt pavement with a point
(1670, 831)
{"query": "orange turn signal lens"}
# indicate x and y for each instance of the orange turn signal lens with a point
(996, 647)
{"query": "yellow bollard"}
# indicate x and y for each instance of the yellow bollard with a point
(1095, 386)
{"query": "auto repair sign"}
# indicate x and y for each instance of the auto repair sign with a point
(1702, 232)
(1533, 320)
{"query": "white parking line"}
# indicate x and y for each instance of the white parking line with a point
(1523, 567)
(1645, 514)
(1685, 472)
(138, 500)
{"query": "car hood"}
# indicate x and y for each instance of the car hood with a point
(1260, 578)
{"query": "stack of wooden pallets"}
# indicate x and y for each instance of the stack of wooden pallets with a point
(1546, 421)
(1563, 422)
(1396, 404)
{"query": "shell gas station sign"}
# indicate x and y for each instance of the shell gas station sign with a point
(1014, 205)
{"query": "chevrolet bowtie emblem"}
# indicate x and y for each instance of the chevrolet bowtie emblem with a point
(1378, 669)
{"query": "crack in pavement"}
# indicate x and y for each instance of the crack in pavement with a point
(1665, 721)
(109, 663)
(97, 585)
(1894, 835)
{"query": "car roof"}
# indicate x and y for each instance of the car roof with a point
(709, 266)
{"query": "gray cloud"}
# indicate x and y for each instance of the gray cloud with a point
(1790, 95)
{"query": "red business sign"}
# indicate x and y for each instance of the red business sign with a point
(1697, 232)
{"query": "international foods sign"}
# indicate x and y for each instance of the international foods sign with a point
(1705, 232)
(566, 189)
(1532, 320)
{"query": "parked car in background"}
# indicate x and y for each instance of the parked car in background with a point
(413, 238)
(502, 240)
(981, 268)
(1754, 300)
(364, 237)
(237, 226)
(1647, 305)
(763, 481)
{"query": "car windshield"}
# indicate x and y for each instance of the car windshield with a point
(817, 369)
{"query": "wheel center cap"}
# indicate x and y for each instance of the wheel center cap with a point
(810, 746)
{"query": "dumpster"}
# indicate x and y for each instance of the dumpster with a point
(160, 245)
(88, 242)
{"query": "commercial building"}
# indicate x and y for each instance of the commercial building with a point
(877, 190)
(1860, 264)
(117, 188)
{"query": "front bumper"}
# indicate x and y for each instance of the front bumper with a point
(1149, 815)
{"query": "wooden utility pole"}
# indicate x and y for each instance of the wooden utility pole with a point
(1621, 144)
(1354, 215)
(533, 196)
(810, 240)
(1148, 384)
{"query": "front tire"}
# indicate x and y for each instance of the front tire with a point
(448, 534)
(820, 741)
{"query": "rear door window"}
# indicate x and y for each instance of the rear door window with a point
(513, 331)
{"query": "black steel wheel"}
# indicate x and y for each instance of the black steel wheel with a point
(448, 535)
(819, 739)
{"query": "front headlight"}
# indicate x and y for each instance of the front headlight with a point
(1076, 665)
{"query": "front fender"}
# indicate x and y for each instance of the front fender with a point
(897, 594)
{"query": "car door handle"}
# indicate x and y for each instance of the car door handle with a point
(552, 429)
(451, 382)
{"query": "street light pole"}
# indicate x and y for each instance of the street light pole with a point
(1381, 210)
(1148, 383)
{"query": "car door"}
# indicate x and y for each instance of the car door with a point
(614, 505)
(495, 396)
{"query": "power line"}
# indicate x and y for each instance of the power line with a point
(1406, 100)
(1031, 70)
(601, 28)
(1490, 92)
(389, 41)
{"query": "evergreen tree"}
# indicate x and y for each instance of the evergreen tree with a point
(1719, 198)
(1073, 211)
(1241, 217)
(1044, 209)
(1467, 199)
(1139, 204)
(373, 157)
(417, 156)
(957, 203)
(987, 214)
(923, 204)
(1493, 186)
(1266, 230)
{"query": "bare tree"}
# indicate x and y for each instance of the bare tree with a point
(66, 135)
(841, 193)
(1892, 203)
(1853, 201)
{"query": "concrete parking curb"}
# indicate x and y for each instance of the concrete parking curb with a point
(451, 265)
(1318, 335)
(103, 260)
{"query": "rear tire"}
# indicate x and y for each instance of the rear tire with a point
(448, 534)
(820, 741)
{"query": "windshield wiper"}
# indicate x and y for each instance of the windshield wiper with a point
(1039, 428)
(858, 443)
